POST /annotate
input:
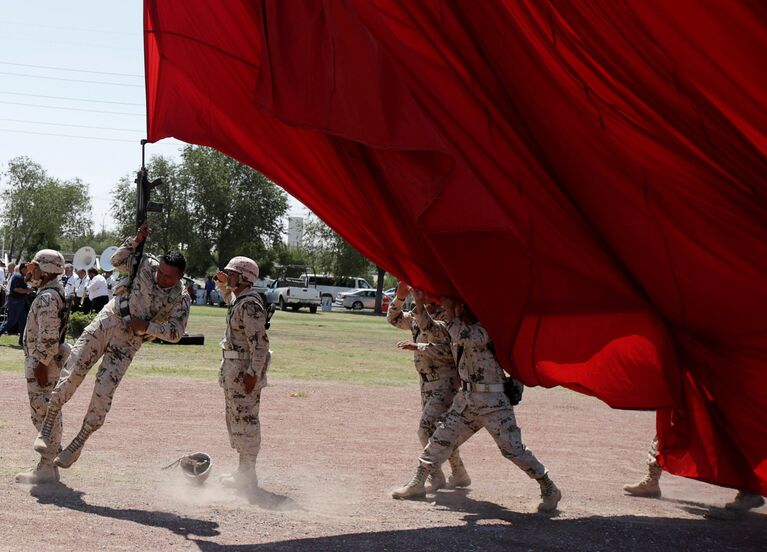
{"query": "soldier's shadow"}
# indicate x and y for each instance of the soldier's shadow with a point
(63, 496)
(458, 500)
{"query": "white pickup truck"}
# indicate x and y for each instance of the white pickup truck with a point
(290, 293)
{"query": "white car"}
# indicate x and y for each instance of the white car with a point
(360, 299)
(331, 286)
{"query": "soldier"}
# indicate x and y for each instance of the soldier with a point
(156, 305)
(480, 403)
(439, 380)
(245, 350)
(44, 354)
(649, 487)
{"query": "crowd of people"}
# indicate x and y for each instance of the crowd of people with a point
(87, 290)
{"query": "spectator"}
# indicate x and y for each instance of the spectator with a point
(97, 292)
(110, 280)
(2, 283)
(79, 290)
(17, 301)
(210, 285)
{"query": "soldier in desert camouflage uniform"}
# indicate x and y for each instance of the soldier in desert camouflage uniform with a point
(439, 381)
(44, 353)
(156, 305)
(480, 403)
(245, 351)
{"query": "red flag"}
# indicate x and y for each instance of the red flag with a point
(589, 177)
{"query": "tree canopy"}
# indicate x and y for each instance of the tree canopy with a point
(39, 211)
(214, 208)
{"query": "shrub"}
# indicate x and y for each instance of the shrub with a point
(77, 323)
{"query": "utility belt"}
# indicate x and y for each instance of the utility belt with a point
(235, 355)
(483, 387)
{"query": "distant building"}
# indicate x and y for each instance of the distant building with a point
(295, 231)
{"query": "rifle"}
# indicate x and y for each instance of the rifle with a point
(143, 205)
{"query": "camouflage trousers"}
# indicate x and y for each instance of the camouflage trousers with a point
(469, 413)
(241, 409)
(39, 396)
(652, 453)
(108, 337)
(435, 403)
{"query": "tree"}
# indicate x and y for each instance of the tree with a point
(39, 211)
(214, 208)
(330, 254)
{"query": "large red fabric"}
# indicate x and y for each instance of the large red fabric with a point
(588, 176)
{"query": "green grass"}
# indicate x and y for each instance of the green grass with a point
(343, 347)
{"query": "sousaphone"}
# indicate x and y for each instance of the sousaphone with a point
(106, 258)
(84, 258)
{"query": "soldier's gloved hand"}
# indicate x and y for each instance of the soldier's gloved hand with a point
(407, 345)
(249, 380)
(41, 374)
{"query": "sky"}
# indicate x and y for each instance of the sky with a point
(72, 93)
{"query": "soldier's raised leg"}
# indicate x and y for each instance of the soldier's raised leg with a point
(88, 349)
(113, 367)
(502, 426)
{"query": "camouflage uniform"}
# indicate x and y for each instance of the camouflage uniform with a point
(435, 365)
(245, 348)
(472, 410)
(480, 403)
(41, 345)
(109, 335)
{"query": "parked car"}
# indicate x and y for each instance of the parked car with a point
(262, 285)
(331, 286)
(361, 299)
(291, 293)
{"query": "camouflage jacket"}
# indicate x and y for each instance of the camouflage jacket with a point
(433, 355)
(41, 335)
(472, 348)
(246, 331)
(167, 310)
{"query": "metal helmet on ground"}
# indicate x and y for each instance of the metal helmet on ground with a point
(50, 261)
(195, 466)
(245, 267)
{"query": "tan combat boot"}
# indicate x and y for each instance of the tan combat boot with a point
(649, 486)
(69, 455)
(244, 477)
(745, 501)
(43, 440)
(436, 480)
(459, 477)
(550, 494)
(415, 488)
(44, 472)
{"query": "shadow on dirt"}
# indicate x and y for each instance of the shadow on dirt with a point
(269, 500)
(492, 527)
(63, 496)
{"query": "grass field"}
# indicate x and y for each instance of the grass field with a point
(347, 347)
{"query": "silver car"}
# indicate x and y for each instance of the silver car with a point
(359, 299)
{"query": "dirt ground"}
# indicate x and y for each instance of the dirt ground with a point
(330, 454)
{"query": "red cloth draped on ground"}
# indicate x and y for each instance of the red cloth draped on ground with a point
(589, 177)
